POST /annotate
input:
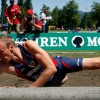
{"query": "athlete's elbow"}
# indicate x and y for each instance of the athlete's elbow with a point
(54, 70)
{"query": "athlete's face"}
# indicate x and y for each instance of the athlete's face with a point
(5, 53)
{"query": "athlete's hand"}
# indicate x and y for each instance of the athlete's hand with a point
(31, 86)
(9, 87)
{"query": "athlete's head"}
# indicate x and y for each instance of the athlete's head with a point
(7, 40)
(7, 45)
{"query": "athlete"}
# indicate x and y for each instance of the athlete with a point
(29, 61)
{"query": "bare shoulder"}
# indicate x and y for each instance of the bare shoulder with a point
(29, 41)
(30, 44)
(32, 47)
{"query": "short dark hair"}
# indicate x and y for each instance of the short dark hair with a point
(45, 10)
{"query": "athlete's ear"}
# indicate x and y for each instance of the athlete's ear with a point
(11, 46)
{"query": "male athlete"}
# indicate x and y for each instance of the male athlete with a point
(31, 62)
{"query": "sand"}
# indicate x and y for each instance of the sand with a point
(88, 78)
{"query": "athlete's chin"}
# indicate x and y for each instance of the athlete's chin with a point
(7, 61)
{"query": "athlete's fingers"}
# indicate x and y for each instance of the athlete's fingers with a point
(9, 87)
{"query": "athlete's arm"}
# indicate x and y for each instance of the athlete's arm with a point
(3, 67)
(7, 68)
(44, 60)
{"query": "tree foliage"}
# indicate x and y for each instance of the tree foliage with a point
(24, 5)
(71, 14)
(3, 9)
(95, 13)
(28, 4)
(55, 16)
(20, 2)
(68, 16)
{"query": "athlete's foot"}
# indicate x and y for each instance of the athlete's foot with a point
(64, 80)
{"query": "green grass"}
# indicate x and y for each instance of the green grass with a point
(75, 54)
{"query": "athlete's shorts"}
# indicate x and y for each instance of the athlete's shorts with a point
(68, 64)
(65, 65)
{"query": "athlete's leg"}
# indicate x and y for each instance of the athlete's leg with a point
(67, 65)
(91, 63)
(73, 65)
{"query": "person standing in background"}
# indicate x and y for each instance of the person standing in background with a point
(44, 20)
(31, 23)
(12, 15)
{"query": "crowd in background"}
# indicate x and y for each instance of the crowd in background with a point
(29, 24)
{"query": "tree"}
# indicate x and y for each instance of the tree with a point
(28, 4)
(71, 17)
(54, 15)
(68, 17)
(83, 22)
(3, 9)
(95, 13)
(60, 18)
(20, 2)
(24, 5)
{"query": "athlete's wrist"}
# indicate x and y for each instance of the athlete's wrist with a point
(32, 86)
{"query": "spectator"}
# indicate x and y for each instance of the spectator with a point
(45, 20)
(98, 29)
(12, 14)
(31, 23)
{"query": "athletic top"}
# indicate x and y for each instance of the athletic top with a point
(31, 70)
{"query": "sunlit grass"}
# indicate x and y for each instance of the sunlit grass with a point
(74, 54)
